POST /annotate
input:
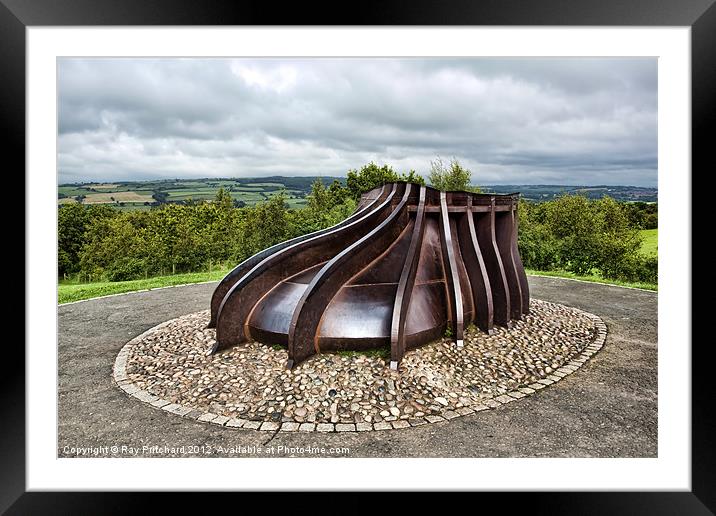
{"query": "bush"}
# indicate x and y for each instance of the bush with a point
(72, 223)
(538, 248)
(651, 221)
(648, 270)
(634, 267)
(125, 268)
(642, 215)
(371, 176)
(450, 178)
(264, 225)
(585, 237)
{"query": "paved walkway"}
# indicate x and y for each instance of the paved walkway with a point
(606, 409)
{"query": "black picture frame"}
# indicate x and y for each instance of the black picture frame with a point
(700, 15)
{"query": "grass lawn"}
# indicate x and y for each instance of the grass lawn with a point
(649, 245)
(72, 291)
(69, 291)
(593, 279)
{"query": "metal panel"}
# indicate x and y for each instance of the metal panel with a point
(477, 272)
(451, 273)
(485, 226)
(302, 333)
(247, 265)
(245, 293)
(406, 285)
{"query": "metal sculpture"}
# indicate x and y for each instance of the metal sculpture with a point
(411, 264)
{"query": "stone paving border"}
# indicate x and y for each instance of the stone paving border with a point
(124, 383)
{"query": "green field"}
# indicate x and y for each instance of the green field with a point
(296, 203)
(135, 194)
(68, 291)
(593, 279)
(649, 245)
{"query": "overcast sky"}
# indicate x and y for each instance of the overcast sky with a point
(511, 121)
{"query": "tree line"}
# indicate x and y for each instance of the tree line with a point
(584, 236)
(98, 242)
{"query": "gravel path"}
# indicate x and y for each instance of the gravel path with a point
(606, 409)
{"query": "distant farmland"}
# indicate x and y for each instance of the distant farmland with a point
(143, 195)
(103, 186)
(146, 194)
(112, 197)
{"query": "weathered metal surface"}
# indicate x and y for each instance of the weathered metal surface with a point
(476, 271)
(241, 298)
(410, 263)
(406, 284)
(455, 304)
(244, 267)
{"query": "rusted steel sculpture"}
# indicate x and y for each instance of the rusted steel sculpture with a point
(409, 264)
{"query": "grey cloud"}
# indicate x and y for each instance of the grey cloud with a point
(567, 120)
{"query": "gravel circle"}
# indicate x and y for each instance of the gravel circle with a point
(249, 386)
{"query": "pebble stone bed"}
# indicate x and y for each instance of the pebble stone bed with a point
(249, 387)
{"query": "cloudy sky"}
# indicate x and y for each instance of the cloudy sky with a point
(510, 121)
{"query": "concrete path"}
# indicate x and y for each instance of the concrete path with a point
(606, 409)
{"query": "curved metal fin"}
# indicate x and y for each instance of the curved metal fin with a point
(475, 266)
(505, 232)
(244, 267)
(302, 335)
(452, 276)
(406, 285)
(485, 230)
(519, 268)
(238, 302)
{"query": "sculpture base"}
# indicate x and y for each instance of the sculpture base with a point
(249, 386)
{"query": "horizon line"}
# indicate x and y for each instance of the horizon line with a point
(164, 179)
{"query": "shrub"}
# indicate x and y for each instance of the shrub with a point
(575, 234)
(264, 225)
(450, 178)
(538, 248)
(125, 268)
(371, 176)
(72, 223)
(633, 267)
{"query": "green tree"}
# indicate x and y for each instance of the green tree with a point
(338, 193)
(618, 240)
(413, 177)
(319, 200)
(368, 177)
(581, 236)
(574, 223)
(223, 199)
(642, 215)
(266, 224)
(72, 222)
(453, 177)
(325, 207)
(539, 248)
(112, 249)
(371, 176)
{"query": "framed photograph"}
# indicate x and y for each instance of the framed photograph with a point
(285, 250)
